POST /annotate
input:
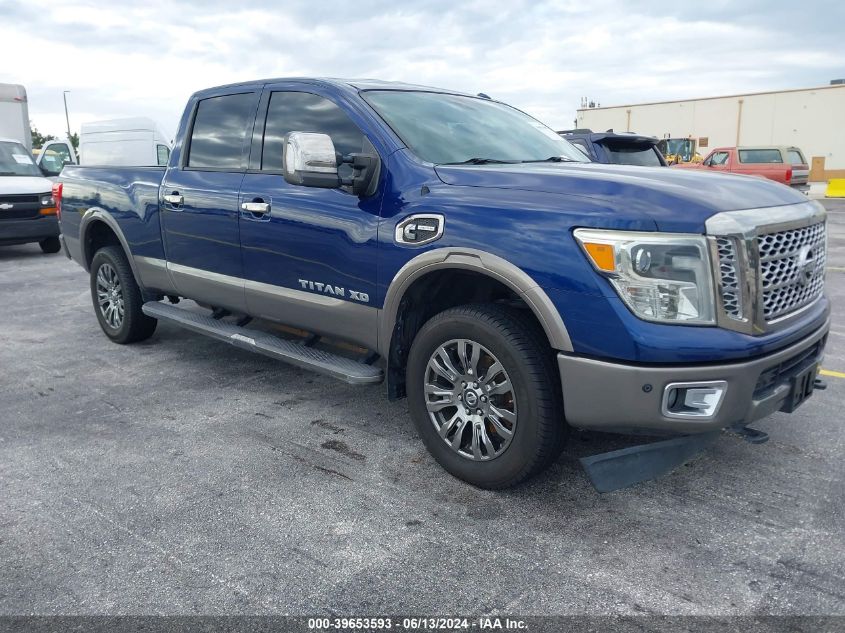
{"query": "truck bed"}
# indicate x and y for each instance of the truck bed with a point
(128, 194)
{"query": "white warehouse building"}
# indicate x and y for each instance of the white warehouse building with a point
(812, 119)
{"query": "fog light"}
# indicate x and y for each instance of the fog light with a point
(693, 400)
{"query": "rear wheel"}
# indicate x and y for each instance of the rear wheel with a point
(117, 298)
(484, 395)
(50, 245)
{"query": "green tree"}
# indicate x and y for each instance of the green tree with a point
(38, 139)
(74, 139)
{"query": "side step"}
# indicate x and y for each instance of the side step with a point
(291, 352)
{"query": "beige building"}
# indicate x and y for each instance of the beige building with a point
(812, 119)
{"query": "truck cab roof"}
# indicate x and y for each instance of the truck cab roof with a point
(340, 83)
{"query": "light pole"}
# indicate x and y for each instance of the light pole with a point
(67, 118)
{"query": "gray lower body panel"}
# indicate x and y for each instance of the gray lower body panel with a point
(606, 396)
(264, 343)
(154, 275)
(337, 318)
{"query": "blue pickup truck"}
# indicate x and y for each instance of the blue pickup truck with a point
(469, 258)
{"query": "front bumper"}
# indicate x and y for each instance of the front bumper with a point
(31, 230)
(616, 397)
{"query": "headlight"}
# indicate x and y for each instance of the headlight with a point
(48, 204)
(661, 277)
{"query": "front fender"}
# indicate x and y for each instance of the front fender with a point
(482, 262)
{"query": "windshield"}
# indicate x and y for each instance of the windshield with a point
(443, 128)
(682, 147)
(16, 161)
(644, 155)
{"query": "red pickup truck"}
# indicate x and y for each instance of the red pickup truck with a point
(785, 165)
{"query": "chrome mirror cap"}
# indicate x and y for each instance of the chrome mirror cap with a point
(309, 159)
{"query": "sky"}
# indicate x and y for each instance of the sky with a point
(122, 58)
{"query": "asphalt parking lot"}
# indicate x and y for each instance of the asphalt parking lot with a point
(182, 475)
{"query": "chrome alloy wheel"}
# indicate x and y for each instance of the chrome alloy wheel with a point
(470, 399)
(110, 296)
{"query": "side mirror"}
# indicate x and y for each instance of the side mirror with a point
(309, 160)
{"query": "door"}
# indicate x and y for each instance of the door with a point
(199, 201)
(309, 255)
(54, 156)
(719, 161)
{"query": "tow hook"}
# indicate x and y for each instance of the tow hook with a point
(820, 384)
(752, 436)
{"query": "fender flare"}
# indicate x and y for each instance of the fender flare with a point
(96, 214)
(482, 262)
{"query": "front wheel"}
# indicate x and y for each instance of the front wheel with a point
(484, 395)
(50, 245)
(117, 298)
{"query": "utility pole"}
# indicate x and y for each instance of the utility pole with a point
(67, 118)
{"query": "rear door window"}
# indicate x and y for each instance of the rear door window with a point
(760, 156)
(220, 128)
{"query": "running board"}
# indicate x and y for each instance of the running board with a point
(317, 360)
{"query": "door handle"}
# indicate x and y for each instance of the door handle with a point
(256, 207)
(174, 198)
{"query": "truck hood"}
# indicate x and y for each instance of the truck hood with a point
(22, 185)
(677, 200)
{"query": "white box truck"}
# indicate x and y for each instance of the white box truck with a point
(14, 115)
(128, 142)
(14, 126)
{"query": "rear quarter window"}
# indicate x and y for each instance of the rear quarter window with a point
(795, 157)
(760, 156)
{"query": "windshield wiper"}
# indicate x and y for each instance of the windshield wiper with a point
(552, 159)
(481, 161)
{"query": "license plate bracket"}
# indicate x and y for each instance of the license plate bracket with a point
(801, 388)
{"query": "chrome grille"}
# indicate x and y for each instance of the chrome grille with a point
(768, 264)
(791, 269)
(729, 277)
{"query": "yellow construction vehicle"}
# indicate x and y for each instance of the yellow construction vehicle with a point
(679, 150)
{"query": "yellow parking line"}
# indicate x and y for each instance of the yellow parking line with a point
(835, 374)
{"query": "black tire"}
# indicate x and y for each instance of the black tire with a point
(134, 325)
(522, 350)
(50, 245)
